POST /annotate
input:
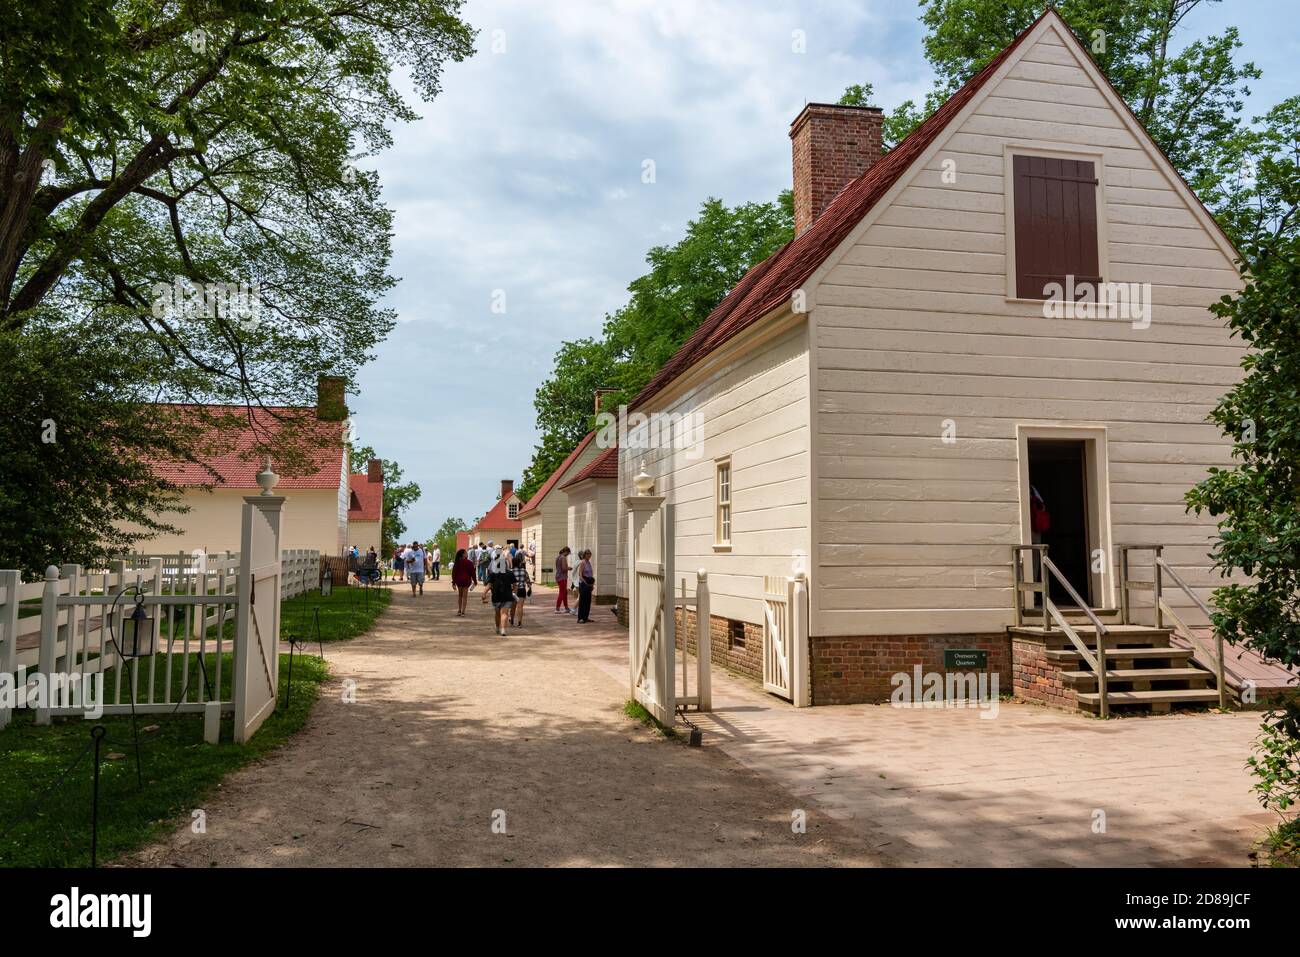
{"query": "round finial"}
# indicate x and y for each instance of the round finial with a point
(702, 573)
(51, 573)
(267, 479)
(644, 481)
(800, 575)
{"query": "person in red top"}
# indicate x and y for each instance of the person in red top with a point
(462, 579)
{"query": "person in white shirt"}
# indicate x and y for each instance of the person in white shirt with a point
(436, 557)
(414, 559)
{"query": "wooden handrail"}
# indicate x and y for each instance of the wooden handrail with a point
(1020, 587)
(1205, 609)
(1097, 663)
(1126, 585)
(1069, 589)
(1050, 612)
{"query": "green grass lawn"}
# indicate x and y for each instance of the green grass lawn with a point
(53, 830)
(346, 613)
(39, 829)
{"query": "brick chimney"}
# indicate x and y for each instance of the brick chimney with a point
(375, 470)
(832, 146)
(600, 397)
(507, 486)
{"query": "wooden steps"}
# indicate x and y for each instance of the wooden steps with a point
(1157, 701)
(1116, 655)
(1145, 671)
(1139, 674)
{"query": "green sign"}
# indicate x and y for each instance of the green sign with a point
(965, 659)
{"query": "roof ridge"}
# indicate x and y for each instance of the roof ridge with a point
(600, 464)
(534, 502)
(763, 288)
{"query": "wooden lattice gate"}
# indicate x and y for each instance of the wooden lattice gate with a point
(651, 622)
(257, 632)
(652, 615)
(785, 638)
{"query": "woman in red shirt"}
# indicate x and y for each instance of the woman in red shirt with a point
(462, 579)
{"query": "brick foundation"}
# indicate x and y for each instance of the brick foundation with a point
(746, 660)
(860, 670)
(1036, 678)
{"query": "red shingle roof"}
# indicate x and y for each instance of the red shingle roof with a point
(603, 466)
(771, 283)
(367, 501)
(538, 496)
(496, 521)
(235, 461)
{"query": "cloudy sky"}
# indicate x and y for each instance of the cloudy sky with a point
(523, 180)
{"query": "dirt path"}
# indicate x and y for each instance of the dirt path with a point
(452, 725)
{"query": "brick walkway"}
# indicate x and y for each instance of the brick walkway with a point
(949, 788)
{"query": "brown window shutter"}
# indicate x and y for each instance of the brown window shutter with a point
(1054, 202)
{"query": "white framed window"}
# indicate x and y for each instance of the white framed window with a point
(512, 511)
(722, 496)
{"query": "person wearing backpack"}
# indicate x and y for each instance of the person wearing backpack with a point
(562, 581)
(501, 581)
(523, 588)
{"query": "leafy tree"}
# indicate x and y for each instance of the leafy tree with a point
(150, 149)
(1189, 101)
(78, 434)
(398, 496)
(565, 406)
(900, 121)
(685, 282)
(445, 538)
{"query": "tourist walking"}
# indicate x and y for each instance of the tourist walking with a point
(462, 579)
(562, 581)
(586, 586)
(501, 578)
(484, 560)
(523, 589)
(399, 564)
(414, 558)
(436, 558)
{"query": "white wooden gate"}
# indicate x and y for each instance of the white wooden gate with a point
(785, 638)
(257, 632)
(651, 622)
(652, 615)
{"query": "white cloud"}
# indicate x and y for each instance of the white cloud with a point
(525, 175)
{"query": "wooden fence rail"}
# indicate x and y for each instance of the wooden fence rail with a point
(69, 627)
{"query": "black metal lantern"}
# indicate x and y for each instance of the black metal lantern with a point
(137, 632)
(326, 583)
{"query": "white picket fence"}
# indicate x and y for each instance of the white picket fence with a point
(301, 566)
(69, 625)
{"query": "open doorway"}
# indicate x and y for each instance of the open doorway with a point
(1059, 496)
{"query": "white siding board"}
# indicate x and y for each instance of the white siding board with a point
(756, 410)
(912, 326)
